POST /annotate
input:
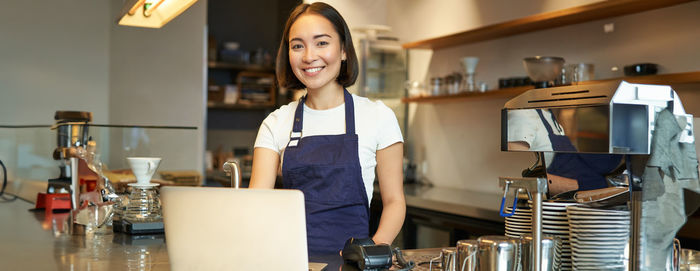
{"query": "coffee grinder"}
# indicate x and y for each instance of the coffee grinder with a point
(71, 132)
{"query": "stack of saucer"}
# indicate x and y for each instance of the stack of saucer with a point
(599, 238)
(556, 223)
(519, 223)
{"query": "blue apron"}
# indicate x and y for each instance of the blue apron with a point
(326, 168)
(589, 170)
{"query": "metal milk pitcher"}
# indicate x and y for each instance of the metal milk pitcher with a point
(499, 253)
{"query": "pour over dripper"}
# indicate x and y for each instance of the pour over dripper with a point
(143, 168)
(469, 65)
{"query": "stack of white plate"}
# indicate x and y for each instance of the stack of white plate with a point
(556, 223)
(599, 238)
(519, 223)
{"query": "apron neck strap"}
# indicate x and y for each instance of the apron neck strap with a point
(349, 114)
(545, 122)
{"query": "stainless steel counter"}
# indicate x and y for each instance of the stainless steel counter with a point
(454, 201)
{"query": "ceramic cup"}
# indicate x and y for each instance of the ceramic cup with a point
(143, 168)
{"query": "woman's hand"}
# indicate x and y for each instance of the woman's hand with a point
(390, 175)
(265, 166)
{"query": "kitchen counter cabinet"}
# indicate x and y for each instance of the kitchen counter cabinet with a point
(439, 217)
(460, 202)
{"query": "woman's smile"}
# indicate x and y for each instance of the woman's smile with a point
(313, 71)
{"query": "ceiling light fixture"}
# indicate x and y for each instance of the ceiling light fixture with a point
(153, 14)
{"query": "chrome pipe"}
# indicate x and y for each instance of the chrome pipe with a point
(636, 230)
(74, 184)
(537, 231)
(232, 169)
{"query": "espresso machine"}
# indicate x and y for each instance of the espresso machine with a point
(599, 120)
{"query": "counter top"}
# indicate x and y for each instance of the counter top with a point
(34, 240)
(461, 202)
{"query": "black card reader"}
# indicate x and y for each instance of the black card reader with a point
(367, 256)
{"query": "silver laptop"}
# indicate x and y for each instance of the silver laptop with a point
(235, 229)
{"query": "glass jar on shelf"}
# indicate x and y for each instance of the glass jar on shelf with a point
(436, 86)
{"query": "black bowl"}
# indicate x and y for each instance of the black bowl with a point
(640, 69)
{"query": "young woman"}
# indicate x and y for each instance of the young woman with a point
(329, 143)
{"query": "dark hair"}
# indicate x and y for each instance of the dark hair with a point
(348, 68)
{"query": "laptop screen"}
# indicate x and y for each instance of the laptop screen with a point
(234, 229)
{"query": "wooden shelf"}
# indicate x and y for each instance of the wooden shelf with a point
(660, 79)
(569, 16)
(491, 94)
(239, 106)
(245, 67)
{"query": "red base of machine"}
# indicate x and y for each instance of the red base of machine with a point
(50, 202)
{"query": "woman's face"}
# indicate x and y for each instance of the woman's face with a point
(315, 51)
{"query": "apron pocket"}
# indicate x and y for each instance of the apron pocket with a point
(328, 183)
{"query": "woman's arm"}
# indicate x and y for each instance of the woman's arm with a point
(265, 165)
(558, 184)
(390, 174)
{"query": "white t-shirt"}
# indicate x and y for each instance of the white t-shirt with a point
(375, 124)
(526, 125)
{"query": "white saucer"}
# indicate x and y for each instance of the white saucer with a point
(555, 227)
(584, 227)
(602, 240)
(517, 219)
(599, 217)
(143, 185)
(591, 211)
(599, 222)
(515, 223)
(555, 222)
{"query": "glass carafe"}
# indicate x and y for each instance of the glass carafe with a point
(144, 204)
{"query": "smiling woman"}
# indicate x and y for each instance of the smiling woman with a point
(330, 142)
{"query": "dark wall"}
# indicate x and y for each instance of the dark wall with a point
(253, 24)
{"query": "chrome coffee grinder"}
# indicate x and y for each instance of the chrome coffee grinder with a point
(73, 146)
(612, 118)
(71, 132)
